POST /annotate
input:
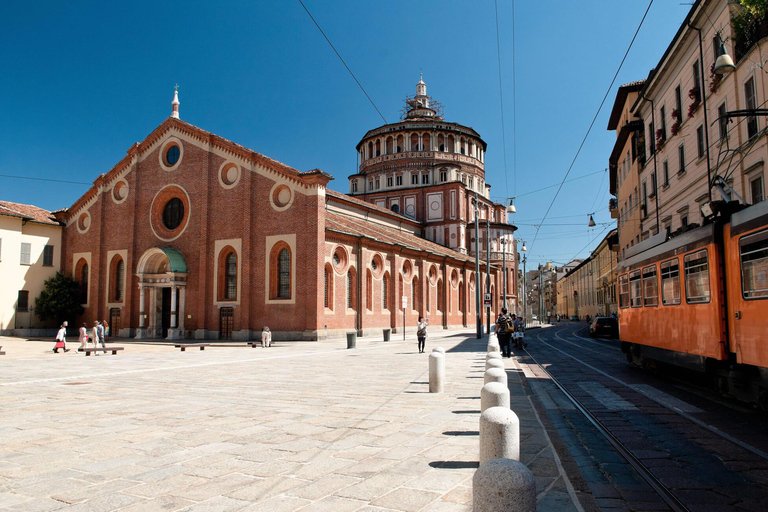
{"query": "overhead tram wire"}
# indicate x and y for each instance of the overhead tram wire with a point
(45, 179)
(553, 186)
(514, 108)
(589, 130)
(342, 61)
(501, 99)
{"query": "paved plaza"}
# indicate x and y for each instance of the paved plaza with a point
(299, 426)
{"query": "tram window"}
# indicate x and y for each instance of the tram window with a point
(696, 277)
(753, 251)
(670, 282)
(624, 291)
(635, 289)
(650, 287)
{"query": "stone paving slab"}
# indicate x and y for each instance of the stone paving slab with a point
(300, 426)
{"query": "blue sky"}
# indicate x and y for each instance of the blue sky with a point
(84, 80)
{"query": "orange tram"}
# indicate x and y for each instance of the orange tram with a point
(699, 300)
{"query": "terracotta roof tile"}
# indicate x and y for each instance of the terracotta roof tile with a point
(357, 227)
(28, 212)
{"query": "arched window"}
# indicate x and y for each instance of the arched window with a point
(84, 284)
(119, 276)
(462, 307)
(440, 305)
(280, 271)
(369, 289)
(415, 293)
(384, 290)
(284, 274)
(328, 297)
(350, 289)
(231, 277)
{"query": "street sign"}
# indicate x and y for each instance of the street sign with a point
(405, 302)
(487, 299)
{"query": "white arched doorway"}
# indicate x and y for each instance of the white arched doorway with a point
(162, 277)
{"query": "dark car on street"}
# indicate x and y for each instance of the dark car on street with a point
(604, 326)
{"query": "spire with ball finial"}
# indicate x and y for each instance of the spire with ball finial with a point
(175, 102)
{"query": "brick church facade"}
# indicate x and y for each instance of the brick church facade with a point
(193, 236)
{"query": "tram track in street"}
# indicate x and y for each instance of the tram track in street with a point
(676, 492)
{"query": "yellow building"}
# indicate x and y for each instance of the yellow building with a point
(30, 252)
(589, 289)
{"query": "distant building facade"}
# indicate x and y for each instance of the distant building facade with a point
(30, 252)
(589, 288)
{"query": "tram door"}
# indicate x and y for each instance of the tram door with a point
(226, 322)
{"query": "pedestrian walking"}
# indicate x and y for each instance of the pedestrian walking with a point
(95, 334)
(421, 333)
(61, 339)
(266, 337)
(106, 330)
(100, 331)
(83, 338)
(504, 328)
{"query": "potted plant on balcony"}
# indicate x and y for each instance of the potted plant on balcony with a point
(678, 121)
(660, 138)
(695, 95)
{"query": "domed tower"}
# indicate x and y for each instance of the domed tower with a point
(428, 169)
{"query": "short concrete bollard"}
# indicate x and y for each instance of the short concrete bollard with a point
(494, 394)
(494, 363)
(500, 485)
(499, 434)
(493, 355)
(495, 375)
(436, 372)
(439, 349)
(493, 346)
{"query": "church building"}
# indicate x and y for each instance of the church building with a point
(193, 236)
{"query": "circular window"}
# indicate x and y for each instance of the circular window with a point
(339, 259)
(173, 213)
(120, 191)
(377, 265)
(432, 274)
(170, 213)
(454, 278)
(229, 175)
(407, 269)
(395, 208)
(84, 222)
(282, 197)
(172, 155)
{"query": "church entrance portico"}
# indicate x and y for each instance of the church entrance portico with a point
(162, 277)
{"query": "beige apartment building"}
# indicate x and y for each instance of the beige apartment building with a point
(625, 163)
(30, 252)
(689, 140)
(590, 287)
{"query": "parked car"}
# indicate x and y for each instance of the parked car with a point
(604, 326)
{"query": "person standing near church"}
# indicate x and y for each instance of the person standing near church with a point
(100, 331)
(421, 333)
(83, 338)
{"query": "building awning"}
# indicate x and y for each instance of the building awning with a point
(175, 260)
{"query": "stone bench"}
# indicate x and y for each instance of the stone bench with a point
(255, 344)
(89, 350)
(1, 351)
(184, 346)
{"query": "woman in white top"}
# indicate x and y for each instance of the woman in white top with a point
(266, 337)
(61, 337)
(83, 339)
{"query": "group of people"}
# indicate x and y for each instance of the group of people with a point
(97, 334)
(506, 327)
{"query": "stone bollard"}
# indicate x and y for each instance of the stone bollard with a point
(494, 394)
(436, 372)
(500, 485)
(493, 355)
(494, 363)
(495, 375)
(499, 434)
(439, 349)
(493, 346)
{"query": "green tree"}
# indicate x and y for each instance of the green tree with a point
(59, 300)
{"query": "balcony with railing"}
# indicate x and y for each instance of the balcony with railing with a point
(613, 207)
